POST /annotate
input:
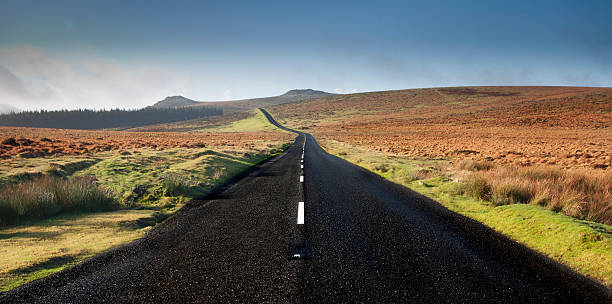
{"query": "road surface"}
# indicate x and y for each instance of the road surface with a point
(308, 227)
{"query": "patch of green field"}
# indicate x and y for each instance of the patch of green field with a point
(584, 246)
(18, 169)
(256, 122)
(169, 178)
(151, 184)
(38, 249)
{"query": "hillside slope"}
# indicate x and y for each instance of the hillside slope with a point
(244, 104)
(566, 126)
(174, 102)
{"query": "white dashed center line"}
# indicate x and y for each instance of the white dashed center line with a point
(301, 178)
(300, 217)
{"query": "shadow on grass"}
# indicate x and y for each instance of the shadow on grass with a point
(246, 158)
(140, 223)
(607, 229)
(22, 234)
(51, 263)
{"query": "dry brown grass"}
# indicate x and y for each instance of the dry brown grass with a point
(38, 142)
(474, 165)
(506, 135)
(564, 126)
(48, 196)
(581, 193)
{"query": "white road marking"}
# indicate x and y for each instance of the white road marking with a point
(301, 178)
(301, 166)
(300, 217)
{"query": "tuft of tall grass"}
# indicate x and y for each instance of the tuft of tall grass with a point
(581, 193)
(175, 184)
(47, 196)
(423, 174)
(474, 165)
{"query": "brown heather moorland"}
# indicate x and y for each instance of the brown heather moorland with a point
(564, 132)
(565, 126)
(37, 142)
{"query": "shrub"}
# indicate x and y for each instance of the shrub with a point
(175, 184)
(423, 174)
(382, 167)
(510, 193)
(584, 193)
(47, 196)
(474, 165)
(480, 189)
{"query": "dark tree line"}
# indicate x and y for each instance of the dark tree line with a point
(104, 119)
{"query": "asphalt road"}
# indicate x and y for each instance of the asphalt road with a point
(357, 238)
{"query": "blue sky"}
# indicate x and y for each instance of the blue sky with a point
(103, 54)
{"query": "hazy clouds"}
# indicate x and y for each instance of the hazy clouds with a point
(94, 55)
(31, 79)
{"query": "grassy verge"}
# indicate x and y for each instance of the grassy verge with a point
(170, 177)
(580, 193)
(47, 196)
(149, 185)
(40, 248)
(584, 246)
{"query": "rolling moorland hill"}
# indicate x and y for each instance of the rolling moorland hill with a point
(548, 146)
(244, 104)
(174, 102)
(566, 126)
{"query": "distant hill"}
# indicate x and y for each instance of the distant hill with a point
(244, 104)
(4, 108)
(174, 102)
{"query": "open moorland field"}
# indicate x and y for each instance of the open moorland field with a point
(70, 194)
(569, 127)
(531, 162)
(35, 142)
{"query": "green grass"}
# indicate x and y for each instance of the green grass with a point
(149, 184)
(47, 196)
(19, 169)
(582, 245)
(39, 248)
(169, 178)
(256, 122)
